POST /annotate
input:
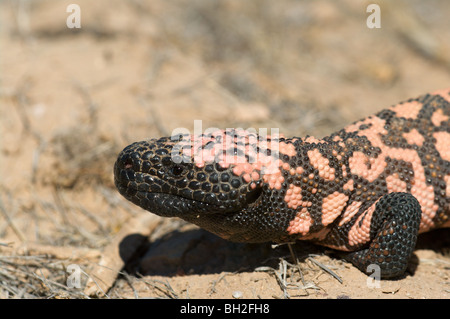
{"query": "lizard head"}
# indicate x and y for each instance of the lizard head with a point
(218, 181)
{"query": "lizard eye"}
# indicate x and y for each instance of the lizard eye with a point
(177, 170)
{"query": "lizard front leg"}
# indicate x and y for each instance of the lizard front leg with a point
(393, 232)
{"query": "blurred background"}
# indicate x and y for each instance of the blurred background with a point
(71, 99)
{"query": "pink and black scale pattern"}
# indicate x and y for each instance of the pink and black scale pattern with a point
(368, 189)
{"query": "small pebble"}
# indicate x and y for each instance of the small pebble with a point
(237, 294)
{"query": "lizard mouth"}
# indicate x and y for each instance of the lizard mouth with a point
(166, 205)
(137, 188)
(158, 202)
(237, 219)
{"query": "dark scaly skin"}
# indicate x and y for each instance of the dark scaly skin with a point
(368, 189)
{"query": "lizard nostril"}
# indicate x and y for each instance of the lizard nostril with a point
(128, 165)
(124, 161)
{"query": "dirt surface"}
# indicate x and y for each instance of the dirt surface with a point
(71, 99)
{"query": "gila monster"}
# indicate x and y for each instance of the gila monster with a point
(368, 189)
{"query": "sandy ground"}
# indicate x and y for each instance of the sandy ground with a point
(71, 99)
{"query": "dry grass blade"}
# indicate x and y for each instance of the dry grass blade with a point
(326, 269)
(34, 277)
(162, 286)
(212, 289)
(10, 222)
(287, 279)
